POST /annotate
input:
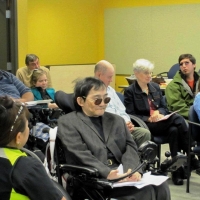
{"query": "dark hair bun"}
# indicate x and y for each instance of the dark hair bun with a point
(6, 102)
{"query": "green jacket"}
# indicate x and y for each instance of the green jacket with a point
(179, 95)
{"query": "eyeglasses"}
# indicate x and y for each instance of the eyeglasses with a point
(147, 73)
(98, 101)
(186, 63)
(17, 116)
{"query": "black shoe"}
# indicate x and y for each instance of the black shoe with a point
(195, 163)
(176, 177)
(182, 172)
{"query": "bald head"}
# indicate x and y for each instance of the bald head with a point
(104, 71)
(102, 66)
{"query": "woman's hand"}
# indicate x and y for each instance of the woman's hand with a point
(155, 116)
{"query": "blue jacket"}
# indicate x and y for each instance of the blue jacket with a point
(37, 94)
(197, 105)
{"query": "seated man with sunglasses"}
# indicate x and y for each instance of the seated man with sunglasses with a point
(105, 71)
(95, 138)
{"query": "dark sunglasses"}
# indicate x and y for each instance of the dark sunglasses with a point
(98, 100)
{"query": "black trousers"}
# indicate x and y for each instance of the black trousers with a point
(150, 192)
(176, 130)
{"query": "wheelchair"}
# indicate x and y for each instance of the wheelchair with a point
(84, 182)
(41, 119)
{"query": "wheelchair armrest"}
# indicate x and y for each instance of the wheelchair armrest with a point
(98, 183)
(88, 175)
(138, 122)
(80, 169)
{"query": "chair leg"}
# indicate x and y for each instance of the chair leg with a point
(159, 155)
(188, 160)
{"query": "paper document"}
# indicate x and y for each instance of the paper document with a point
(167, 116)
(33, 103)
(147, 179)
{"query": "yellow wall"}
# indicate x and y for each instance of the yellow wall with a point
(69, 31)
(120, 80)
(61, 31)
